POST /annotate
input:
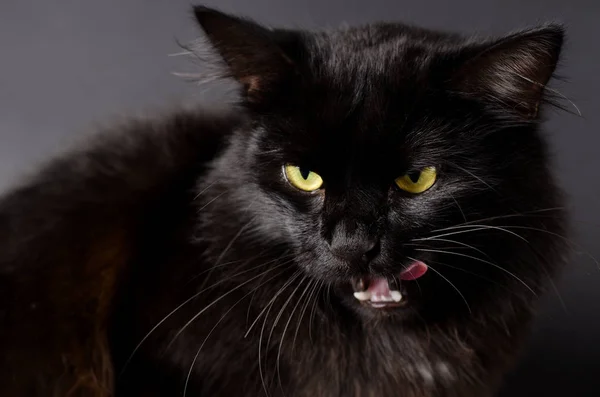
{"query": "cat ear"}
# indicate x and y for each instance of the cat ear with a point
(249, 50)
(513, 72)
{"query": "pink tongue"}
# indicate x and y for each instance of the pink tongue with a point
(379, 286)
(414, 271)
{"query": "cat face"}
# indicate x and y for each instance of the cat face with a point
(402, 167)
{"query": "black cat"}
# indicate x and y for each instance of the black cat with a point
(375, 218)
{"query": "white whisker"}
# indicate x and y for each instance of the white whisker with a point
(282, 309)
(480, 260)
(204, 190)
(566, 240)
(522, 214)
(474, 228)
(312, 310)
(455, 242)
(286, 327)
(262, 330)
(226, 249)
(189, 374)
(250, 303)
(210, 202)
(313, 287)
(474, 176)
(472, 273)
(453, 286)
(551, 90)
(291, 280)
(459, 208)
(177, 54)
(218, 300)
(165, 318)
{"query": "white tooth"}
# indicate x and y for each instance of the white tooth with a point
(396, 296)
(362, 295)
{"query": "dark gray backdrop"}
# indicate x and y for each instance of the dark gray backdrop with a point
(67, 64)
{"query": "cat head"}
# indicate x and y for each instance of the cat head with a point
(400, 165)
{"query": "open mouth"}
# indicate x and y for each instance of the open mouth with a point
(381, 292)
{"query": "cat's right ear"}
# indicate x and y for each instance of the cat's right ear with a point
(512, 72)
(251, 52)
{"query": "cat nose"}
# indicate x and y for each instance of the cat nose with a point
(355, 251)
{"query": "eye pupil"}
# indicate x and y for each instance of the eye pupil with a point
(304, 172)
(417, 181)
(302, 178)
(414, 176)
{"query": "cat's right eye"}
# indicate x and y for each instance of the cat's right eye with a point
(417, 182)
(302, 178)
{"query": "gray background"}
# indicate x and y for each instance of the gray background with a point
(68, 64)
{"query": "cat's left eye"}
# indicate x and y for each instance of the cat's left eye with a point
(302, 178)
(417, 181)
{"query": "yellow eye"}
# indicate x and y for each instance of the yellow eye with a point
(419, 181)
(302, 178)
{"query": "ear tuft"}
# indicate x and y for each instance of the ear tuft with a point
(513, 71)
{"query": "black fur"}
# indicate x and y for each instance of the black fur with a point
(193, 213)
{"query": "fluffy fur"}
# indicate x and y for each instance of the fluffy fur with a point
(172, 255)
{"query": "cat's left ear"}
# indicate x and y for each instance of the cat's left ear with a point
(512, 72)
(252, 53)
